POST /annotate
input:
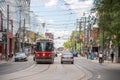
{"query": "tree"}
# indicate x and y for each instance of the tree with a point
(109, 19)
(68, 45)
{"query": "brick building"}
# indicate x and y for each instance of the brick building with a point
(14, 11)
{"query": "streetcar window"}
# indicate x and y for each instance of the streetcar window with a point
(44, 46)
(49, 46)
(40, 47)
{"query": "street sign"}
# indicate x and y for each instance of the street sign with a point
(3, 42)
(93, 43)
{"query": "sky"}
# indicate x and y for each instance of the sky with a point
(60, 16)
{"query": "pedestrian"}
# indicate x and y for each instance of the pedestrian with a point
(100, 57)
(92, 55)
(87, 53)
(112, 56)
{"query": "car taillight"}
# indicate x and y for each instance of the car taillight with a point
(62, 57)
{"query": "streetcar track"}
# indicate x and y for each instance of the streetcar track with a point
(93, 73)
(80, 68)
(32, 74)
(83, 70)
(15, 71)
(77, 65)
(88, 69)
(34, 65)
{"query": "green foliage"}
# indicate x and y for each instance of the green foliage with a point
(68, 45)
(74, 39)
(109, 18)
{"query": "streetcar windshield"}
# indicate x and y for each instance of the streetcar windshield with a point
(44, 46)
(40, 46)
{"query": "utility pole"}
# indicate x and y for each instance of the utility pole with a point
(84, 33)
(19, 41)
(75, 40)
(23, 45)
(7, 33)
(103, 41)
(1, 26)
(80, 36)
(89, 32)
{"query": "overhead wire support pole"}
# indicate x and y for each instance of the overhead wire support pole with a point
(7, 45)
(80, 36)
(23, 40)
(75, 41)
(84, 34)
(103, 41)
(19, 29)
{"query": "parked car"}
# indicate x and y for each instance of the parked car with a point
(20, 56)
(67, 57)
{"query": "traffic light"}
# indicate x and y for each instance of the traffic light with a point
(81, 36)
(4, 37)
(32, 35)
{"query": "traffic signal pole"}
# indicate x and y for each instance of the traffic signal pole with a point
(80, 36)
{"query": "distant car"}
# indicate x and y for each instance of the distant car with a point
(75, 54)
(20, 56)
(67, 57)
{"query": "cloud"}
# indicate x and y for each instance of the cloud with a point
(77, 6)
(50, 21)
(51, 3)
(36, 2)
(80, 6)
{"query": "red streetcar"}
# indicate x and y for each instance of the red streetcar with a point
(44, 51)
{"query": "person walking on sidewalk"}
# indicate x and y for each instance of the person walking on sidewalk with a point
(100, 57)
(112, 56)
(92, 55)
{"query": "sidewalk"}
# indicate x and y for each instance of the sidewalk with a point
(106, 63)
(12, 60)
(4, 61)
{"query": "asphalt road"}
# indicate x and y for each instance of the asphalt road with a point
(11, 67)
(82, 69)
(99, 71)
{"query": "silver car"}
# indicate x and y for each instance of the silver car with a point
(67, 57)
(20, 56)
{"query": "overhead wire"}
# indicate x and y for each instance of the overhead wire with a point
(63, 25)
(61, 10)
(57, 14)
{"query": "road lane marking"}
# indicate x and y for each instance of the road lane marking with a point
(99, 76)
